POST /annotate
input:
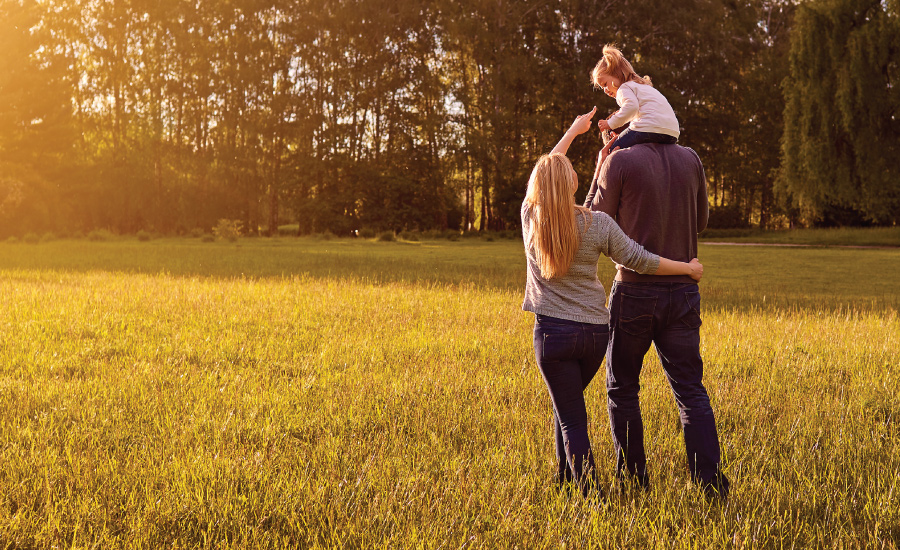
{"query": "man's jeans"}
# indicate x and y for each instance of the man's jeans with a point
(668, 315)
(568, 355)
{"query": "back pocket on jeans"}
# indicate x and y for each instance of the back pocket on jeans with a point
(692, 313)
(636, 314)
(558, 347)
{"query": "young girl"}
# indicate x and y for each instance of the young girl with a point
(652, 119)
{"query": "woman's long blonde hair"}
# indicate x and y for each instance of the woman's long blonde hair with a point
(614, 64)
(554, 228)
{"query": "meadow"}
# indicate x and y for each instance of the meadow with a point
(298, 393)
(833, 236)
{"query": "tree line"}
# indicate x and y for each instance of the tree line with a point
(336, 115)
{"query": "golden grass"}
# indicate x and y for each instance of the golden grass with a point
(150, 410)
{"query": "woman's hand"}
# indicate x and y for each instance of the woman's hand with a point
(696, 269)
(582, 123)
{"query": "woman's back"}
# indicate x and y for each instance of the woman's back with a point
(578, 295)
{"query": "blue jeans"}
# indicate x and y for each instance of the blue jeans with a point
(668, 315)
(569, 354)
(631, 137)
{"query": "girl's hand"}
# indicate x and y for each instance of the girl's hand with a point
(603, 124)
(696, 269)
(582, 124)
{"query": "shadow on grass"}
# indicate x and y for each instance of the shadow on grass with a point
(738, 278)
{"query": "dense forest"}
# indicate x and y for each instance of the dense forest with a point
(168, 115)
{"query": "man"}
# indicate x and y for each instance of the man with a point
(657, 195)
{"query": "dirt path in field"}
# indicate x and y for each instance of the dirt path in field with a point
(722, 243)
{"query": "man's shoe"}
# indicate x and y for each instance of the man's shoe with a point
(716, 488)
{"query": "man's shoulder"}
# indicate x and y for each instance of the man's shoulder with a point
(639, 154)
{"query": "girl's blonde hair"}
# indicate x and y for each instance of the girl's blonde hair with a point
(614, 64)
(554, 228)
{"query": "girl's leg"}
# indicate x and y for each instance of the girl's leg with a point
(630, 137)
(626, 139)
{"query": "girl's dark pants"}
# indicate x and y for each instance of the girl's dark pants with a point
(631, 137)
(569, 354)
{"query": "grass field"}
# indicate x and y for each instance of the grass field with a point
(334, 394)
(838, 236)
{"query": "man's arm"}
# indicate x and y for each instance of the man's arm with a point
(610, 141)
(702, 200)
(608, 188)
(592, 191)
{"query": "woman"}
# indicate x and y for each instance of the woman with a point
(563, 242)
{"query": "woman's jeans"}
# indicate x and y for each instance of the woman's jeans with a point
(631, 137)
(569, 354)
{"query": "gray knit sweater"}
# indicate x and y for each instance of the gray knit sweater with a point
(578, 295)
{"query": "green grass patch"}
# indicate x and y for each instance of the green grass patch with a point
(346, 394)
(841, 236)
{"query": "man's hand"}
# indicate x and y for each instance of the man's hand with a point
(610, 140)
(696, 269)
(607, 148)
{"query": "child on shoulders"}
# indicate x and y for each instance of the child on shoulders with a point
(647, 113)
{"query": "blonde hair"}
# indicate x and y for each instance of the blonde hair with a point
(613, 63)
(554, 228)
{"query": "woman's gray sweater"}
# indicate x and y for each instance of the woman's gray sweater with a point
(578, 295)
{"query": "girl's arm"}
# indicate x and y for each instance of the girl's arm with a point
(694, 269)
(628, 107)
(581, 125)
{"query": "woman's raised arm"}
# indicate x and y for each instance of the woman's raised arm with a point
(581, 125)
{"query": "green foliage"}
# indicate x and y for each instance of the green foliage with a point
(386, 236)
(288, 230)
(228, 230)
(100, 235)
(354, 114)
(143, 235)
(37, 129)
(208, 238)
(728, 216)
(330, 386)
(367, 233)
(842, 135)
(409, 236)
